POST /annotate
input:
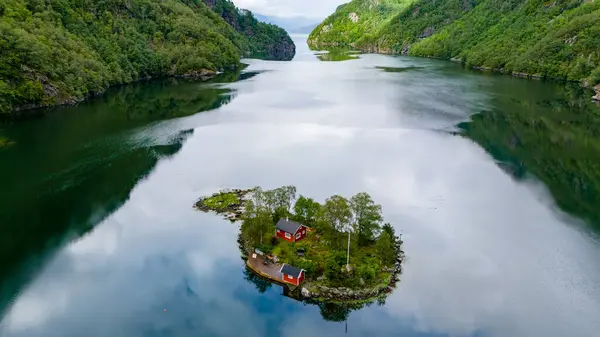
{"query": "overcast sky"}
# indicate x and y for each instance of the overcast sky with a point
(317, 9)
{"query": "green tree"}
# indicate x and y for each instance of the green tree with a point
(388, 228)
(385, 248)
(258, 222)
(306, 211)
(337, 216)
(279, 201)
(366, 218)
(284, 197)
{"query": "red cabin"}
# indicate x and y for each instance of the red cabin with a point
(292, 275)
(290, 231)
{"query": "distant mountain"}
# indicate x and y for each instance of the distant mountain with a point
(304, 29)
(298, 24)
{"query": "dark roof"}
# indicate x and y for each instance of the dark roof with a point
(288, 226)
(291, 270)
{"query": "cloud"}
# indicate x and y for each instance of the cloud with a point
(317, 9)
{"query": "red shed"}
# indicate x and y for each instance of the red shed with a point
(292, 275)
(290, 230)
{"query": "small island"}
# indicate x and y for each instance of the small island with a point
(340, 250)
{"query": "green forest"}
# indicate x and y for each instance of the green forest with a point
(530, 38)
(62, 51)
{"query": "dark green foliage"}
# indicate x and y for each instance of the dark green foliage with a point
(334, 266)
(559, 39)
(385, 249)
(54, 52)
(266, 41)
(387, 228)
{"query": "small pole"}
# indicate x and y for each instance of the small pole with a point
(348, 255)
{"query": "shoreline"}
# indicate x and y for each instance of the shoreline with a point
(518, 74)
(32, 110)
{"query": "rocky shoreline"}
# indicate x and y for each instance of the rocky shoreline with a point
(406, 48)
(343, 294)
(233, 212)
(30, 108)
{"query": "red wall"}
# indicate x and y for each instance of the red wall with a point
(295, 280)
(302, 230)
(281, 234)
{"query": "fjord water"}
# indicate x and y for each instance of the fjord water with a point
(493, 182)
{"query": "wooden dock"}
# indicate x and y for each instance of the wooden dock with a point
(270, 271)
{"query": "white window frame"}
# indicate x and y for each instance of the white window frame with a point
(290, 277)
(288, 236)
(278, 230)
(298, 235)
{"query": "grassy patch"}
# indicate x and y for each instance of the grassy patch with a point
(222, 201)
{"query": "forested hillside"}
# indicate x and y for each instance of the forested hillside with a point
(355, 20)
(266, 41)
(61, 51)
(558, 39)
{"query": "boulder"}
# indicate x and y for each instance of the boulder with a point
(427, 32)
(305, 293)
(597, 97)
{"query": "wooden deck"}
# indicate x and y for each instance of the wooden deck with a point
(271, 271)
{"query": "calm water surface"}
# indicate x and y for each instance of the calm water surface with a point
(492, 180)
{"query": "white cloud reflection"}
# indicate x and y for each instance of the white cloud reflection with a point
(486, 255)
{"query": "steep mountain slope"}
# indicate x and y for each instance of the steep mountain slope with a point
(559, 39)
(355, 20)
(266, 41)
(61, 51)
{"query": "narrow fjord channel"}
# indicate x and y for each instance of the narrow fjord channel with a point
(493, 181)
